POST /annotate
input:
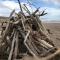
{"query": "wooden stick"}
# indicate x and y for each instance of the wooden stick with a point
(7, 28)
(35, 11)
(26, 36)
(16, 47)
(12, 47)
(20, 6)
(23, 19)
(53, 55)
(25, 42)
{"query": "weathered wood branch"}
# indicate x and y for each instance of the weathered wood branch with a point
(16, 46)
(12, 47)
(36, 11)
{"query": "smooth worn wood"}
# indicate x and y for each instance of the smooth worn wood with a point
(35, 11)
(12, 47)
(7, 28)
(16, 46)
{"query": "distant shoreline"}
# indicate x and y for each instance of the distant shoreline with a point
(44, 21)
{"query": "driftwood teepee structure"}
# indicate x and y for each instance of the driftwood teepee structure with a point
(25, 35)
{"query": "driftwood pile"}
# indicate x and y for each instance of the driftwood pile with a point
(24, 35)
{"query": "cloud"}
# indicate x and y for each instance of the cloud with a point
(53, 13)
(10, 4)
(14, 5)
(5, 12)
(57, 2)
(6, 5)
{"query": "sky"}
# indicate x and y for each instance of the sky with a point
(52, 7)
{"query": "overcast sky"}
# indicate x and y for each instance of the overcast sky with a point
(52, 7)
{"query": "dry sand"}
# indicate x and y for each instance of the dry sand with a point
(55, 30)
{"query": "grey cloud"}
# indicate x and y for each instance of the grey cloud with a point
(53, 1)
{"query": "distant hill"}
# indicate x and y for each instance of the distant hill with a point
(51, 21)
(55, 21)
(3, 19)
